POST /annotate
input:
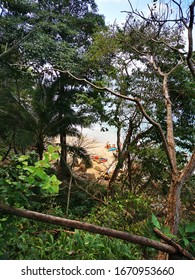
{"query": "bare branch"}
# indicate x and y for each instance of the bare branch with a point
(181, 17)
(190, 40)
(188, 169)
(136, 101)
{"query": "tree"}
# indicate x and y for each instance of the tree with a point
(160, 50)
(155, 86)
(158, 23)
(55, 43)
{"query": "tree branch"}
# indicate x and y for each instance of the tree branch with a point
(190, 40)
(188, 169)
(7, 51)
(170, 241)
(88, 227)
(136, 101)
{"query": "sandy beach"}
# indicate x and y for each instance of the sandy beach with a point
(103, 160)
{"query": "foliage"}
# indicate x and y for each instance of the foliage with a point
(126, 212)
(185, 233)
(29, 242)
(154, 166)
(186, 236)
(38, 102)
(81, 202)
(24, 178)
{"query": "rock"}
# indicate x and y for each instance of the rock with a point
(82, 168)
(91, 176)
(100, 168)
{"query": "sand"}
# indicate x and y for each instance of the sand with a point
(102, 159)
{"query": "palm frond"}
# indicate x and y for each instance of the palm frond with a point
(81, 153)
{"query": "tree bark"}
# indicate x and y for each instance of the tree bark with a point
(40, 146)
(170, 129)
(190, 39)
(173, 202)
(173, 206)
(121, 158)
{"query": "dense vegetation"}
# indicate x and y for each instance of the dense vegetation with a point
(62, 68)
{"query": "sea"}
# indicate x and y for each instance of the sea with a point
(101, 133)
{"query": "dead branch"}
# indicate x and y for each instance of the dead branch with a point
(172, 242)
(188, 169)
(89, 228)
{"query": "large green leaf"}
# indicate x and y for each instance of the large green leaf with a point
(155, 222)
(190, 227)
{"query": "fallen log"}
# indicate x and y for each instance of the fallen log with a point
(88, 227)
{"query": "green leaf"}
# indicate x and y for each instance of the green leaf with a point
(166, 231)
(46, 186)
(192, 246)
(42, 163)
(31, 169)
(54, 189)
(31, 180)
(190, 227)
(155, 222)
(51, 149)
(23, 158)
(22, 178)
(41, 173)
(3, 219)
(54, 179)
(186, 242)
(55, 156)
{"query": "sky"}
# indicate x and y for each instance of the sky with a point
(111, 9)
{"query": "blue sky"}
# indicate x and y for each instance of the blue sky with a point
(111, 9)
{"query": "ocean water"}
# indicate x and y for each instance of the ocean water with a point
(95, 132)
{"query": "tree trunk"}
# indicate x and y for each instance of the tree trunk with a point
(63, 143)
(111, 189)
(173, 202)
(129, 171)
(173, 205)
(121, 156)
(40, 147)
(173, 210)
(65, 168)
(7, 153)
